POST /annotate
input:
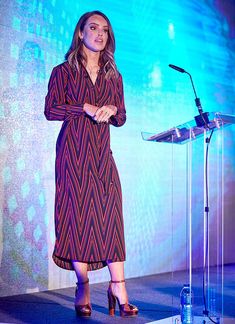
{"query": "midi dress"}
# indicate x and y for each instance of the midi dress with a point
(88, 198)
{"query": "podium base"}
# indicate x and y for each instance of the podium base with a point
(197, 320)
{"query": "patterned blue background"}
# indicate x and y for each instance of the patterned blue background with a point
(35, 35)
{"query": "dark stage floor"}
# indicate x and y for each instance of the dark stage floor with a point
(157, 297)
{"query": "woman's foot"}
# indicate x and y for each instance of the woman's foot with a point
(82, 299)
(117, 292)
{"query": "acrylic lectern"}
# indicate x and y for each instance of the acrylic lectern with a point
(203, 243)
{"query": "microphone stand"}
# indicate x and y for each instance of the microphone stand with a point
(202, 120)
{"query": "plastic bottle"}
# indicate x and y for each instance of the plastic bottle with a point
(212, 302)
(186, 297)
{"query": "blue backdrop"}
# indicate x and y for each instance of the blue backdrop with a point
(35, 35)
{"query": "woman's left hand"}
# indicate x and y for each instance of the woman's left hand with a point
(104, 113)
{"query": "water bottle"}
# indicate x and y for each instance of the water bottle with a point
(212, 302)
(186, 297)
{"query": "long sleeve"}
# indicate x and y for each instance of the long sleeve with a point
(120, 118)
(56, 107)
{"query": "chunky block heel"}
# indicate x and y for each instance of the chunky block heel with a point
(126, 310)
(82, 310)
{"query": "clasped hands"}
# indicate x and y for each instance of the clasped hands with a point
(102, 114)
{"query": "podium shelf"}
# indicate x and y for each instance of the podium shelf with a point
(190, 130)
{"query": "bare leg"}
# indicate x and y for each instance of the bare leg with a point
(116, 270)
(83, 295)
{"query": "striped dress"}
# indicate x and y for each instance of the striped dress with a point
(88, 200)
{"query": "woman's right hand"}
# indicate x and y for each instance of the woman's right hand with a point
(90, 109)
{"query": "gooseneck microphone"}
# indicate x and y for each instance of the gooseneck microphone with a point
(177, 68)
(202, 119)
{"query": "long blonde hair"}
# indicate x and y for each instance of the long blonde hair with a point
(75, 55)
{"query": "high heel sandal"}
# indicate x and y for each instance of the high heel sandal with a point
(82, 310)
(126, 310)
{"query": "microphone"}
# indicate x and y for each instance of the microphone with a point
(202, 119)
(177, 68)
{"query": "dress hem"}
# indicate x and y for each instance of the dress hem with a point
(67, 264)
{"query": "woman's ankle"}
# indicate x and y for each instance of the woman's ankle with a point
(82, 293)
(119, 290)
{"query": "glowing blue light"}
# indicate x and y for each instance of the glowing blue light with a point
(37, 53)
(30, 27)
(37, 29)
(20, 164)
(27, 250)
(1, 111)
(46, 219)
(16, 136)
(14, 51)
(25, 189)
(16, 23)
(3, 143)
(37, 233)
(44, 251)
(45, 14)
(15, 271)
(6, 174)
(31, 212)
(60, 45)
(43, 32)
(68, 20)
(14, 108)
(12, 204)
(27, 78)
(52, 236)
(34, 5)
(51, 19)
(63, 15)
(156, 77)
(13, 80)
(19, 229)
(171, 31)
(41, 199)
(37, 177)
(40, 7)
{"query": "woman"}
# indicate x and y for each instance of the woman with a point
(86, 93)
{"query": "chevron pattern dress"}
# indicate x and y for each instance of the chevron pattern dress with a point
(88, 202)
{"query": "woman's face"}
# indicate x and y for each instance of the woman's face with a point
(95, 33)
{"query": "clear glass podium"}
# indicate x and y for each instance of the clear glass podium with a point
(201, 225)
